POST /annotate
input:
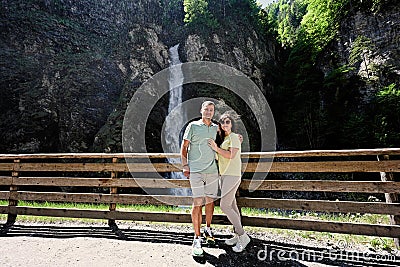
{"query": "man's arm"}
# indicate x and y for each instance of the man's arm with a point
(184, 152)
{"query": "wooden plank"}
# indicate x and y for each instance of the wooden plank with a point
(325, 186)
(90, 156)
(103, 182)
(6, 166)
(5, 180)
(4, 209)
(162, 183)
(113, 215)
(324, 226)
(321, 205)
(57, 212)
(325, 166)
(103, 198)
(287, 185)
(310, 205)
(97, 167)
(73, 167)
(323, 153)
(4, 195)
(271, 154)
(308, 225)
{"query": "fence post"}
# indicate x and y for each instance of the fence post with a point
(391, 198)
(113, 191)
(113, 206)
(12, 201)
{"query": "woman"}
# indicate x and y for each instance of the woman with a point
(229, 164)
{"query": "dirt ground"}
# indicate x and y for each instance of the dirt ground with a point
(140, 244)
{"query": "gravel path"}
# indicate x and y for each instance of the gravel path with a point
(140, 244)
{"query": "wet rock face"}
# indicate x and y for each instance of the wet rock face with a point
(380, 64)
(248, 53)
(69, 69)
(66, 65)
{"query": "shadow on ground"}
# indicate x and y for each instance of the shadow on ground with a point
(258, 253)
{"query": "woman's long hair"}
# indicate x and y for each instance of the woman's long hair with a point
(221, 133)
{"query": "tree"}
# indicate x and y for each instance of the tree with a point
(387, 120)
(284, 18)
(321, 22)
(197, 14)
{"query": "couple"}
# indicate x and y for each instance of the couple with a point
(198, 154)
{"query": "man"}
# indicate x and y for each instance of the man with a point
(199, 166)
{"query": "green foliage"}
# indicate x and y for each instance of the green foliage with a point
(317, 110)
(172, 12)
(198, 15)
(390, 93)
(360, 48)
(321, 22)
(380, 244)
(303, 117)
(313, 23)
(337, 76)
(284, 18)
(348, 125)
(241, 10)
(387, 118)
(172, 20)
(203, 15)
(355, 130)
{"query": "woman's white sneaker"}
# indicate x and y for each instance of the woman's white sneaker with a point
(244, 240)
(232, 241)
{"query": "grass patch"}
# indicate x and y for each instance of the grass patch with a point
(377, 243)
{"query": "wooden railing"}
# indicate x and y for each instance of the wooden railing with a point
(41, 177)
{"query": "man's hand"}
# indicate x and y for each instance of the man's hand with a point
(186, 171)
(212, 144)
(184, 160)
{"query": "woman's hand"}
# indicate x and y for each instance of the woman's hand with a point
(186, 171)
(212, 144)
(240, 138)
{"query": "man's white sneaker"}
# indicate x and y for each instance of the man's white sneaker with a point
(244, 240)
(232, 241)
(197, 250)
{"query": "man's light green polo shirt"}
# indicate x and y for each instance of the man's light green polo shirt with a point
(201, 158)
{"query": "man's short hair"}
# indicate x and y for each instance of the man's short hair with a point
(207, 103)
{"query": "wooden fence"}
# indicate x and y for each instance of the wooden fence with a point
(40, 178)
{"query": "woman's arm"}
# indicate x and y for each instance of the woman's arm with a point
(229, 154)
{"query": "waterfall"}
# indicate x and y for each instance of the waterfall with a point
(175, 120)
(176, 113)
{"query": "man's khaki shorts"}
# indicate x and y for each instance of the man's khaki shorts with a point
(204, 184)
